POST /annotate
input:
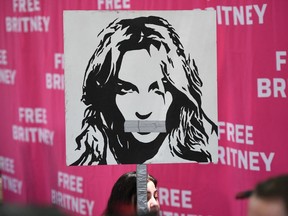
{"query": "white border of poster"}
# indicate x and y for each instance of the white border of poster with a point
(197, 33)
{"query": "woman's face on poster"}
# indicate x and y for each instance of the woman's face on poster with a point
(140, 90)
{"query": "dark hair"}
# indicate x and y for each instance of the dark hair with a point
(270, 189)
(123, 197)
(274, 188)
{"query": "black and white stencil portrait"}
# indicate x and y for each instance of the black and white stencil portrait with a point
(140, 87)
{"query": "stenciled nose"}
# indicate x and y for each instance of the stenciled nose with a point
(142, 117)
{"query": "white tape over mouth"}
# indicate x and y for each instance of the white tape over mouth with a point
(145, 126)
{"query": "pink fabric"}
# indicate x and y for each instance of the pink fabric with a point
(252, 89)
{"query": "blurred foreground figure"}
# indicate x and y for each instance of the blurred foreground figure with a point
(29, 210)
(269, 198)
(123, 197)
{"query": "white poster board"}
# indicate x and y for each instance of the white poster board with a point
(140, 87)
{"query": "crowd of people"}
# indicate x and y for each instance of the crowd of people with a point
(267, 198)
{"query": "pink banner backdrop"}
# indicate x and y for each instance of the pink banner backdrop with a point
(252, 63)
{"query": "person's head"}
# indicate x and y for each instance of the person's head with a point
(140, 72)
(268, 198)
(123, 197)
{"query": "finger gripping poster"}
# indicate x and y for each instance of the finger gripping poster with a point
(140, 87)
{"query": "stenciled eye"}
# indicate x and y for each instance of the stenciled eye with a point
(155, 88)
(159, 92)
(123, 87)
